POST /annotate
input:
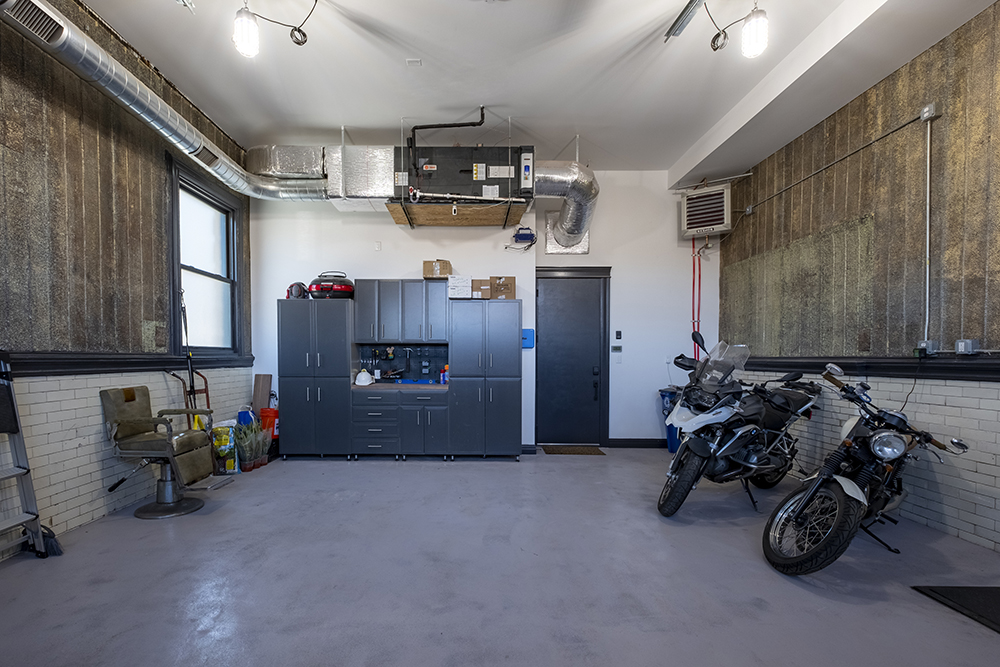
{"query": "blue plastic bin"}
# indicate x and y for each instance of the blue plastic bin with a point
(669, 396)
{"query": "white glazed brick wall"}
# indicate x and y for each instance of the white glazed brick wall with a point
(960, 497)
(68, 450)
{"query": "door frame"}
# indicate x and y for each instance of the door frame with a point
(569, 273)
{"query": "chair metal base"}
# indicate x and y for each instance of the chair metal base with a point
(156, 510)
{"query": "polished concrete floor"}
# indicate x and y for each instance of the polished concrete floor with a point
(556, 560)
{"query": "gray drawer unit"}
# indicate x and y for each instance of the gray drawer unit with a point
(375, 430)
(382, 446)
(374, 413)
(375, 397)
(423, 397)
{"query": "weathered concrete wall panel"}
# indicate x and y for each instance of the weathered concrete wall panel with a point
(885, 184)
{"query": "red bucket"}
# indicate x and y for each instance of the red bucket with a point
(268, 417)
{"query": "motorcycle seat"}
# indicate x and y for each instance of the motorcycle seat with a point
(755, 410)
(791, 400)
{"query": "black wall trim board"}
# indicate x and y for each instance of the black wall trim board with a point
(41, 364)
(978, 368)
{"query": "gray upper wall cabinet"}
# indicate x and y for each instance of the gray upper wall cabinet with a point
(424, 311)
(314, 338)
(389, 310)
(400, 311)
(413, 311)
(365, 311)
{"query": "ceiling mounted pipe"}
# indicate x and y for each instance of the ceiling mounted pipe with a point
(578, 188)
(57, 36)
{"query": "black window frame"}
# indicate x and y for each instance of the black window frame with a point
(218, 196)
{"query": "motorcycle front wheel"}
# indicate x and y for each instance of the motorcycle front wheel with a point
(679, 484)
(830, 522)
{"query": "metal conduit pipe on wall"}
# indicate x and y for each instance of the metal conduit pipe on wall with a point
(57, 36)
(578, 188)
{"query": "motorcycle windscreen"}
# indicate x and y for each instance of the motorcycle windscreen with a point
(724, 361)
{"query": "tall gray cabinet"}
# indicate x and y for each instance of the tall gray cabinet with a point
(485, 387)
(314, 375)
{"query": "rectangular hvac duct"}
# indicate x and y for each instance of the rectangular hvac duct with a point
(705, 211)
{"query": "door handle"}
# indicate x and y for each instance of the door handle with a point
(480, 394)
(383, 332)
(420, 331)
(418, 417)
(423, 398)
(431, 334)
(597, 370)
(307, 394)
(597, 390)
(374, 430)
(428, 418)
(491, 360)
(374, 398)
(480, 360)
(307, 360)
(374, 414)
(373, 329)
(319, 360)
(491, 394)
(319, 394)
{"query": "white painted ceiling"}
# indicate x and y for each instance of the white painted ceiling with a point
(556, 68)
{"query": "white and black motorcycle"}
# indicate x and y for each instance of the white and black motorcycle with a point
(858, 482)
(728, 433)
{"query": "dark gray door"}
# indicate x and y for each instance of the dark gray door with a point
(332, 416)
(437, 311)
(294, 338)
(466, 415)
(503, 417)
(571, 360)
(503, 339)
(411, 430)
(413, 311)
(333, 338)
(468, 338)
(389, 310)
(435, 420)
(365, 311)
(298, 432)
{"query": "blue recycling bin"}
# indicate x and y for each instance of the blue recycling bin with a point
(669, 396)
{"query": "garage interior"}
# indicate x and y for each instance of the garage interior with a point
(857, 151)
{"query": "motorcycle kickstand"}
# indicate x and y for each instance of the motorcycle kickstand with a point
(746, 487)
(880, 519)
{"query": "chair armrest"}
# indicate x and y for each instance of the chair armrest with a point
(150, 421)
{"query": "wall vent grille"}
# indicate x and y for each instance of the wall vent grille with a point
(36, 20)
(207, 157)
(705, 211)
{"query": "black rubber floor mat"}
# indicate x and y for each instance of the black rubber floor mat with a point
(980, 603)
(572, 449)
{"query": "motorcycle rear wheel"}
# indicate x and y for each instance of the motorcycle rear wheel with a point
(832, 520)
(679, 485)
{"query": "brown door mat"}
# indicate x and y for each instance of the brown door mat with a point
(572, 449)
(980, 603)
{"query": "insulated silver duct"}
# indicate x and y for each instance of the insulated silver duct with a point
(54, 33)
(578, 188)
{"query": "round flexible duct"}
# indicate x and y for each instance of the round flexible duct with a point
(578, 188)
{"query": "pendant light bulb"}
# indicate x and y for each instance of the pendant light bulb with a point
(245, 33)
(755, 33)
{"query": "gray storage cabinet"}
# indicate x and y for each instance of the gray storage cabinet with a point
(423, 422)
(314, 384)
(485, 369)
(378, 314)
(424, 311)
(375, 428)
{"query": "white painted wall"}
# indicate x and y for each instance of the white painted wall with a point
(634, 232)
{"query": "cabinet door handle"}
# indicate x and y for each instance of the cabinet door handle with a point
(423, 398)
(307, 394)
(374, 430)
(480, 394)
(319, 394)
(374, 414)
(428, 418)
(374, 398)
(376, 446)
(491, 360)
(319, 360)
(373, 329)
(597, 392)
(491, 394)
(480, 360)
(307, 360)
(431, 335)
(420, 331)
(383, 331)
(418, 417)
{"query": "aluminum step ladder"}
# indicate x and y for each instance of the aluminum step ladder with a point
(15, 467)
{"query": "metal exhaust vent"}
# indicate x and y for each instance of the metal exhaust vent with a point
(705, 211)
(36, 20)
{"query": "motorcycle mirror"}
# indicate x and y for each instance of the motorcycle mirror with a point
(961, 446)
(834, 369)
(699, 340)
(791, 377)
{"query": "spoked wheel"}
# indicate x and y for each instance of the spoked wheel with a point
(824, 532)
(770, 479)
(679, 484)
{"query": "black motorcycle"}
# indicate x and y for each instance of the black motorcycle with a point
(729, 433)
(859, 482)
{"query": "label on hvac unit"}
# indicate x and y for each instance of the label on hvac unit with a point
(502, 171)
(527, 171)
(402, 178)
(479, 172)
(430, 167)
(491, 191)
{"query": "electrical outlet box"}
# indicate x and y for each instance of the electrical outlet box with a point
(930, 112)
(929, 346)
(966, 346)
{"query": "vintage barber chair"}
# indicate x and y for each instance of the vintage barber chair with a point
(184, 457)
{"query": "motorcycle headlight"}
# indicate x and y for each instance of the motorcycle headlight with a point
(888, 445)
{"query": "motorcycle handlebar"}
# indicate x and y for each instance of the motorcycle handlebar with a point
(832, 379)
